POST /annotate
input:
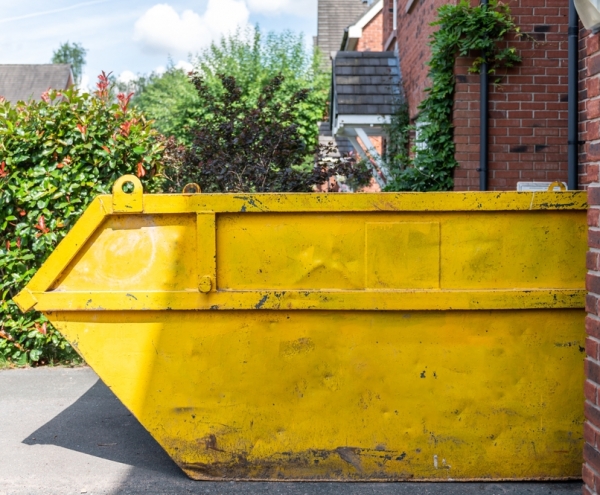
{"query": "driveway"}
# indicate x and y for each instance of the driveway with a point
(62, 431)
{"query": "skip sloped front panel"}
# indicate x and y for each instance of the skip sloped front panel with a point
(131, 253)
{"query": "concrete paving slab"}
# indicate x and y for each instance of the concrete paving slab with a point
(62, 432)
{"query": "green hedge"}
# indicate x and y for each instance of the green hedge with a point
(56, 155)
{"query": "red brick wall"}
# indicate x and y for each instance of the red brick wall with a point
(591, 429)
(413, 36)
(371, 40)
(466, 130)
(589, 132)
(528, 112)
(589, 107)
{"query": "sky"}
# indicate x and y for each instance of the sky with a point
(130, 37)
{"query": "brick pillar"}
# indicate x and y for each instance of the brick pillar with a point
(589, 107)
(591, 431)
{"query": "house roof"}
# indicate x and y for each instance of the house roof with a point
(366, 83)
(354, 32)
(28, 82)
(366, 89)
(334, 16)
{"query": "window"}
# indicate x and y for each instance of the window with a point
(420, 143)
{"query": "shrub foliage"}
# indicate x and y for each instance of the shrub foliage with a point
(241, 146)
(56, 155)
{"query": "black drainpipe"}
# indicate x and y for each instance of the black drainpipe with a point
(573, 131)
(484, 121)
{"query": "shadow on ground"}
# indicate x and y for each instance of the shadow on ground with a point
(98, 424)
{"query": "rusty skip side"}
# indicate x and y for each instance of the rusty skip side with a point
(414, 336)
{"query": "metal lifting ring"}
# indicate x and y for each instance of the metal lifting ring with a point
(191, 188)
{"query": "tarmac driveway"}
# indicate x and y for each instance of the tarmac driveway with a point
(62, 431)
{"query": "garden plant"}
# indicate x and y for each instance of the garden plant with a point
(56, 155)
(245, 146)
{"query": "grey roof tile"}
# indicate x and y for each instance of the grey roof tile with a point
(366, 80)
(365, 99)
(367, 55)
(366, 70)
(366, 83)
(28, 82)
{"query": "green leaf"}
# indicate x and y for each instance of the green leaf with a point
(35, 354)
(37, 187)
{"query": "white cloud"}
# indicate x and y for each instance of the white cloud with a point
(85, 86)
(184, 66)
(163, 30)
(126, 77)
(305, 8)
(159, 70)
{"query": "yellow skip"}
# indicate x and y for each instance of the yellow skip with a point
(391, 336)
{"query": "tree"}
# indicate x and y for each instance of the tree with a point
(240, 145)
(253, 59)
(169, 99)
(73, 54)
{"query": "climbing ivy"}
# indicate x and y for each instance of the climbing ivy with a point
(463, 31)
(396, 153)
